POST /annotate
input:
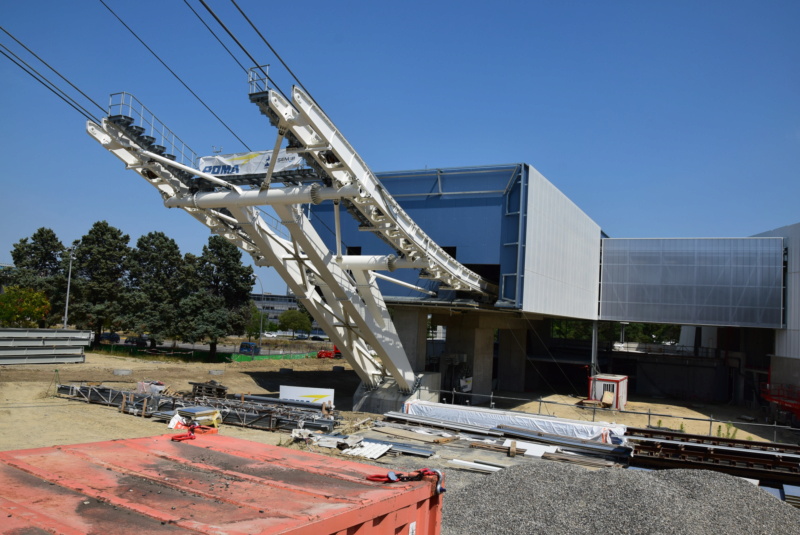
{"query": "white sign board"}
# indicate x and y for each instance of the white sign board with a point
(302, 393)
(248, 163)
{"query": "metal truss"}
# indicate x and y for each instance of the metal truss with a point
(339, 291)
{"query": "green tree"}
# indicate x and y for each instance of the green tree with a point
(256, 322)
(155, 268)
(294, 320)
(22, 307)
(571, 329)
(218, 272)
(38, 266)
(203, 317)
(99, 274)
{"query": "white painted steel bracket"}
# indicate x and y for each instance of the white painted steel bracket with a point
(352, 313)
(340, 292)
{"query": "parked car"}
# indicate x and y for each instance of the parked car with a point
(317, 338)
(301, 337)
(112, 338)
(270, 335)
(138, 341)
(249, 348)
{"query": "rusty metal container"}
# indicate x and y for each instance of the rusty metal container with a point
(214, 484)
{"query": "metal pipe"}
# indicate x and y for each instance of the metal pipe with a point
(337, 222)
(173, 163)
(382, 262)
(404, 284)
(273, 159)
(291, 195)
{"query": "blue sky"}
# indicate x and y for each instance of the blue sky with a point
(658, 119)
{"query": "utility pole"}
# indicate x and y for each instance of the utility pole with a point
(260, 312)
(69, 280)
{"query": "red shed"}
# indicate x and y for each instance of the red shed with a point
(214, 484)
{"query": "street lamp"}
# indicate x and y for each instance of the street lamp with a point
(69, 280)
(260, 311)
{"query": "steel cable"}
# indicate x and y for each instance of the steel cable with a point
(33, 73)
(175, 75)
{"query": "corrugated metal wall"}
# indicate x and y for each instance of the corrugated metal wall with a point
(787, 341)
(693, 281)
(562, 254)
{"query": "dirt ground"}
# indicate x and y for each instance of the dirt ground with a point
(32, 416)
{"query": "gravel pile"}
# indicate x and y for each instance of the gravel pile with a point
(556, 498)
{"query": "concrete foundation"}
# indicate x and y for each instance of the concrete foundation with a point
(473, 335)
(387, 397)
(412, 328)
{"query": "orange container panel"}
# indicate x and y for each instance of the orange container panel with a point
(214, 484)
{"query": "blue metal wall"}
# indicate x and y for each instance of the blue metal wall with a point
(475, 210)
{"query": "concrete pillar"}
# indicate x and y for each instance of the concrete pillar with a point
(412, 328)
(511, 359)
(595, 337)
(477, 344)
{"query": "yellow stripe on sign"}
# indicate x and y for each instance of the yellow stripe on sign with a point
(245, 158)
(315, 397)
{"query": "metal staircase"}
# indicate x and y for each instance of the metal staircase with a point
(340, 291)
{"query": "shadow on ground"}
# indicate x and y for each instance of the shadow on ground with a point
(344, 383)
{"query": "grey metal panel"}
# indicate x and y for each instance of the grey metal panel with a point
(562, 254)
(40, 334)
(38, 351)
(42, 359)
(30, 342)
(704, 281)
(42, 346)
(787, 342)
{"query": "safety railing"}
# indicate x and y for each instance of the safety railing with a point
(258, 79)
(152, 134)
(716, 427)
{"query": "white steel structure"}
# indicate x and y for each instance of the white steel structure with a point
(339, 291)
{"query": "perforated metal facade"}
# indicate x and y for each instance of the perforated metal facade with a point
(704, 281)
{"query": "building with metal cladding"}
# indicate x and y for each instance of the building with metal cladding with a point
(508, 224)
(708, 281)
(737, 298)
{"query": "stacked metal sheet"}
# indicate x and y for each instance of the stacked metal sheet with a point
(591, 447)
(791, 494)
(43, 346)
(367, 449)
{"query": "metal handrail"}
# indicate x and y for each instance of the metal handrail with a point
(711, 421)
(124, 104)
(257, 79)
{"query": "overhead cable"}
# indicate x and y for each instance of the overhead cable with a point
(255, 63)
(175, 75)
(33, 73)
(296, 79)
(52, 69)
(215, 35)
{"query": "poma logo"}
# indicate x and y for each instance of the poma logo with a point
(221, 169)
